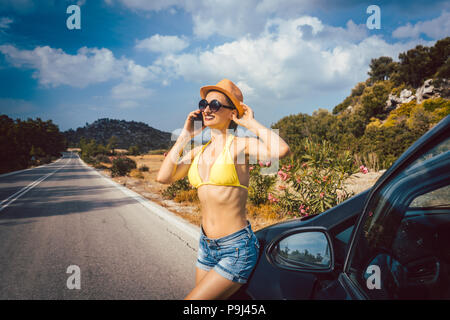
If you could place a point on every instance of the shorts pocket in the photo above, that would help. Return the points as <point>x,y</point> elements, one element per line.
<point>235,252</point>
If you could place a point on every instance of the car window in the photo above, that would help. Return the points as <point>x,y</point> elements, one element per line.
<point>344,236</point>
<point>340,245</point>
<point>433,152</point>
<point>401,251</point>
<point>436,198</point>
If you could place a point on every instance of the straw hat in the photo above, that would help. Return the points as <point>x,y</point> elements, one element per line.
<point>229,89</point>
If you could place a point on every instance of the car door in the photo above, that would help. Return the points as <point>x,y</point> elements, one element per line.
<point>297,258</point>
<point>400,249</point>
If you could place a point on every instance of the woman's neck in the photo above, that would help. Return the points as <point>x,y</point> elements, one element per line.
<point>218,135</point>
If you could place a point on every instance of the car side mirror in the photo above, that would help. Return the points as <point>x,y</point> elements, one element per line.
<point>303,249</point>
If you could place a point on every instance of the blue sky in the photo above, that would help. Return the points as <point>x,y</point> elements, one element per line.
<point>146,60</point>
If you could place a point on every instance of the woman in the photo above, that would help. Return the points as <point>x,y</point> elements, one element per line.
<point>228,248</point>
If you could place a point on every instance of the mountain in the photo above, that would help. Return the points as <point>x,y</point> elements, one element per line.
<point>128,133</point>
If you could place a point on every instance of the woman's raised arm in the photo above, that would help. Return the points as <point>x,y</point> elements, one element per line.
<point>172,169</point>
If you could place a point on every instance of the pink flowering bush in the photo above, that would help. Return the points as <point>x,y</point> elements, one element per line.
<point>363,169</point>
<point>259,185</point>
<point>314,183</point>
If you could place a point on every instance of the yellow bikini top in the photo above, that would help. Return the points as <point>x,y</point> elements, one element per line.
<point>222,173</point>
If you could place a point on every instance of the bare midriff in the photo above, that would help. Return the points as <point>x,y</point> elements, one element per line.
<point>223,209</point>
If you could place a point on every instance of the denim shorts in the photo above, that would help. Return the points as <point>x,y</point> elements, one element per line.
<point>233,256</point>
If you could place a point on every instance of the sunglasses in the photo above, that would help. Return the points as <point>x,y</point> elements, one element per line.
<point>214,105</point>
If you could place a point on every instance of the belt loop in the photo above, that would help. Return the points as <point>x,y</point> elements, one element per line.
<point>249,228</point>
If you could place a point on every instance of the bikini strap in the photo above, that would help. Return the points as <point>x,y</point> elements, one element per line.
<point>228,142</point>
<point>226,148</point>
<point>204,146</point>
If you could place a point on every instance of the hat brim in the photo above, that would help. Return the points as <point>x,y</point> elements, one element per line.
<point>236,102</point>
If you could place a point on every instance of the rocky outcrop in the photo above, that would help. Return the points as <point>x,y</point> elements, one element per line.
<point>393,101</point>
<point>433,89</point>
<point>430,89</point>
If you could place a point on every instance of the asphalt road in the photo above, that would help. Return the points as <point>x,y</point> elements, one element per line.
<point>75,217</point>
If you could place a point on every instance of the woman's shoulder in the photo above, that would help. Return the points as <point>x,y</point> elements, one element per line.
<point>241,144</point>
<point>244,140</point>
<point>189,155</point>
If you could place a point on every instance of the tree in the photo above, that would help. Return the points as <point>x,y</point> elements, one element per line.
<point>415,65</point>
<point>374,100</point>
<point>381,68</point>
<point>112,144</point>
<point>440,58</point>
<point>134,150</point>
<point>22,141</point>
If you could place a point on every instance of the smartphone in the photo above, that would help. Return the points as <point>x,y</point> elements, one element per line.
<point>199,117</point>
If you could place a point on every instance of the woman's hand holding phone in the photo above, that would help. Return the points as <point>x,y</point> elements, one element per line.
<point>191,126</point>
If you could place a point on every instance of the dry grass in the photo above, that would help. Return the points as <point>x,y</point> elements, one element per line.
<point>263,216</point>
<point>135,173</point>
<point>153,163</point>
<point>187,196</point>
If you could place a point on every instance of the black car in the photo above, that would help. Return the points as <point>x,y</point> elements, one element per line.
<point>389,242</point>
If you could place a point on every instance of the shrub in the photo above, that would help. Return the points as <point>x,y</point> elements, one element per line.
<point>397,90</point>
<point>134,150</point>
<point>98,165</point>
<point>122,166</point>
<point>370,160</point>
<point>143,168</point>
<point>175,188</point>
<point>374,98</point>
<point>316,184</point>
<point>259,185</point>
<point>102,158</point>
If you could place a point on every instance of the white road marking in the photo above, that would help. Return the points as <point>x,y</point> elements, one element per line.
<point>5,203</point>
<point>19,171</point>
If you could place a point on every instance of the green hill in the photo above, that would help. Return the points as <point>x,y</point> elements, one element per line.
<point>126,133</point>
<point>384,115</point>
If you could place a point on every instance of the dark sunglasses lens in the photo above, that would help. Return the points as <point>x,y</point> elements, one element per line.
<point>215,105</point>
<point>203,104</point>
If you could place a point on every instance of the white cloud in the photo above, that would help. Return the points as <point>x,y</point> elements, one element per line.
<point>291,59</point>
<point>231,18</point>
<point>125,91</point>
<point>54,67</point>
<point>163,44</point>
<point>436,28</point>
<point>5,22</point>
